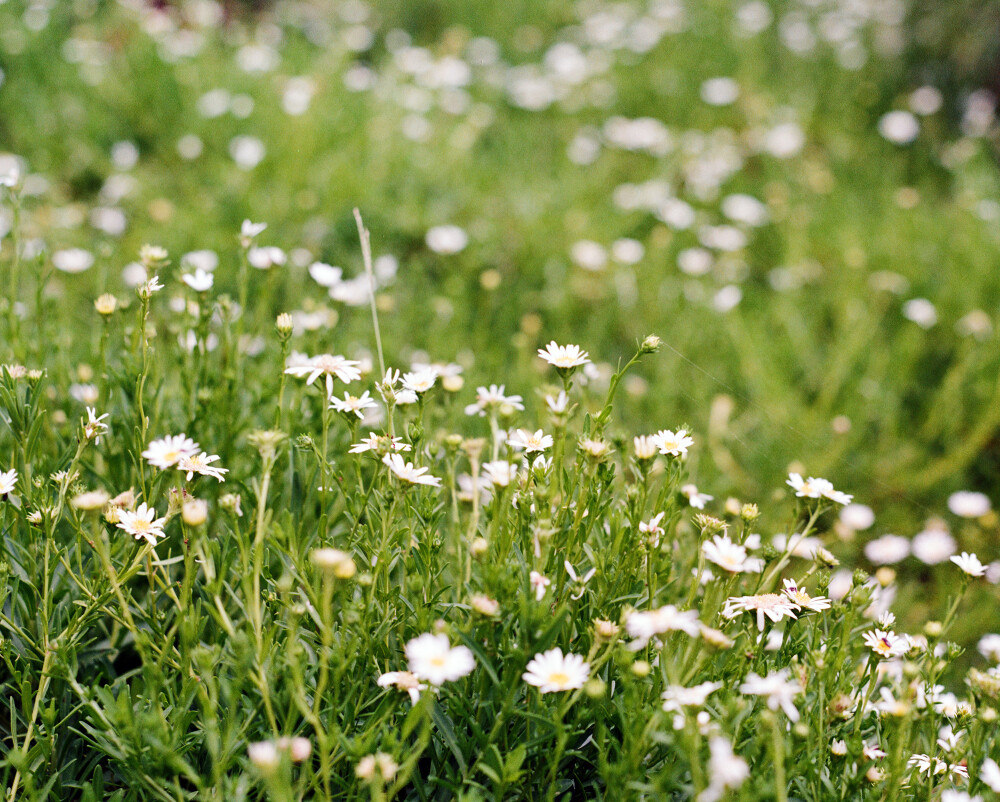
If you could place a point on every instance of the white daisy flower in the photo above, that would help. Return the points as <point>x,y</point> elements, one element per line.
<point>404,681</point>
<point>432,658</point>
<point>201,464</point>
<point>406,472</point>
<point>523,440</point>
<point>170,450</point>
<point>376,442</point>
<point>142,523</point>
<point>675,444</point>
<point>8,481</point>
<point>773,605</point>
<point>729,556</point>
<point>500,472</point>
<point>779,690</point>
<point>493,397</point>
<point>328,366</point>
<point>540,584</point>
<point>553,671</point>
<point>564,357</point>
<point>199,281</point>
<point>643,626</point>
<point>886,643</point>
<point>420,381</point>
<point>351,404</point>
<point>969,563</point>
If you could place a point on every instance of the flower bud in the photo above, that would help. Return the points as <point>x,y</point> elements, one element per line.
<point>106,304</point>
<point>194,512</point>
<point>335,562</point>
<point>651,344</point>
<point>283,325</point>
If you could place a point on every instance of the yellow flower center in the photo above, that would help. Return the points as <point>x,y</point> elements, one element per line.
<point>558,678</point>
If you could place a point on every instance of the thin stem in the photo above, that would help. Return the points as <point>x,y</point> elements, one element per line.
<point>366,255</point>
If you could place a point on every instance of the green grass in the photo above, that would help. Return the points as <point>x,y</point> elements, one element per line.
<point>158,689</point>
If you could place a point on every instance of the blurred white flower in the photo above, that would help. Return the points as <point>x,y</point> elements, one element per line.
<point>899,127</point>
<point>969,504</point>
<point>720,91</point>
<point>73,260</point>
<point>447,239</point>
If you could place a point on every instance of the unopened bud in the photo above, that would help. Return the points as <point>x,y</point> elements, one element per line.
<point>194,512</point>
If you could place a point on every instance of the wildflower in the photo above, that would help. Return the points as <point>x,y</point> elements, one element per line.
<point>264,258</point>
<point>727,555</point>
<point>420,381</point>
<point>934,545</point>
<point>653,529</point>
<point>106,304</point>
<point>379,444</point>
<point>557,404</point>
<point>779,690</point>
<point>199,281</point>
<point>170,450</point>
<point>645,447</point>
<point>727,770</point>
<point>803,599</point>
<point>484,605</point>
<point>838,748</point>
<point>928,765</point>
<point>887,550</point>
<point>202,465</point>
<point>264,756</point>
<point>595,449</point>
<point>92,500</point>
<point>969,563</point>
<point>95,426</point>
<point>581,581</point>
<point>194,512</point>
<point>675,444</point>
<point>406,472</point>
<point>8,480</point>
<point>446,239</point>
<point>564,357</point>
<point>329,366</point>
<point>773,605</point>
<point>231,502</point>
<point>539,583</point>
<point>552,671</point>
<point>433,658</point>
<point>643,626</point>
<point>989,647</point>
<point>404,681</point>
<point>338,563</point>
<point>379,764</point>
<point>500,472</point>
<point>816,488</point>
<point>989,773</point>
<point>696,499</point>
<point>150,286</point>
<point>676,697</point>
<point>886,644</point>
<point>491,398</point>
<point>872,751</point>
<point>524,440</point>
<point>969,504</point>
<point>142,523</point>
<point>248,231</point>
<point>72,260</point>
<point>352,404</point>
